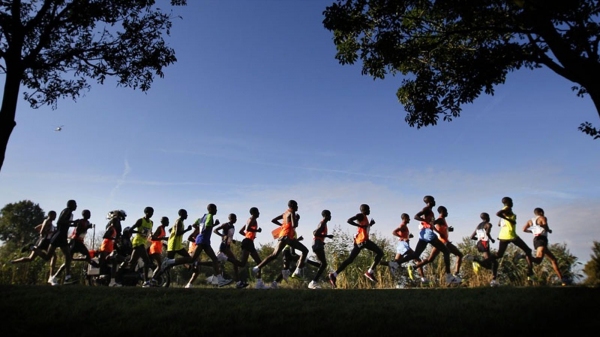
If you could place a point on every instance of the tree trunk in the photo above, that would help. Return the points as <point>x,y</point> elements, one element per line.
<point>8,110</point>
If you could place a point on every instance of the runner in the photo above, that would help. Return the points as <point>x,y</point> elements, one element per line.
<point>46,230</point>
<point>403,249</point>
<point>156,245</point>
<point>508,235</point>
<point>361,241</point>
<point>286,236</point>
<point>226,231</point>
<point>538,226</point>
<point>249,233</point>
<point>483,236</point>
<point>442,229</point>
<point>143,231</point>
<point>318,247</point>
<point>77,240</point>
<point>205,224</point>
<point>429,235</point>
<point>59,240</point>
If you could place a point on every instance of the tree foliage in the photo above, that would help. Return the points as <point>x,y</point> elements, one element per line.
<point>592,267</point>
<point>17,222</point>
<point>453,50</point>
<point>54,47</point>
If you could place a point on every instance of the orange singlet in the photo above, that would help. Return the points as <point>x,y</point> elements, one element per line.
<point>321,235</point>
<point>442,228</point>
<point>108,245</point>
<point>363,231</point>
<point>251,227</point>
<point>157,246</point>
<point>286,228</point>
<point>403,232</point>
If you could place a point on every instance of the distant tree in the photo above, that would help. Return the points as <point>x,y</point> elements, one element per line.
<point>52,47</point>
<point>17,222</point>
<point>592,267</point>
<point>456,49</point>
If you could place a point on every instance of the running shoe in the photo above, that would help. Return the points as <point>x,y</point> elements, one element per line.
<point>69,280</point>
<point>221,281</point>
<point>213,280</point>
<point>457,279</point>
<point>332,279</point>
<point>188,286</point>
<point>274,285</point>
<point>53,281</point>
<point>370,276</point>
<point>410,269</point>
<point>146,284</point>
<point>222,257</point>
<point>313,285</point>
<point>113,283</point>
<point>260,284</point>
<point>494,283</point>
<point>564,281</point>
<point>255,270</point>
<point>451,279</point>
<point>241,285</point>
<point>393,265</point>
<point>285,273</point>
<point>297,272</point>
<point>424,281</point>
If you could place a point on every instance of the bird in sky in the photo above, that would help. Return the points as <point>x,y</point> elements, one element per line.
<point>59,128</point>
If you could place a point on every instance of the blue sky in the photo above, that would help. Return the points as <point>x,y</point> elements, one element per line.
<point>257,111</point>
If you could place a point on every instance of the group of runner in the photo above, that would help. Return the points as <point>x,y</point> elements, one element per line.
<point>146,243</point>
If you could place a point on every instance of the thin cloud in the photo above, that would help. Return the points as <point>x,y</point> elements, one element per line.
<point>120,182</point>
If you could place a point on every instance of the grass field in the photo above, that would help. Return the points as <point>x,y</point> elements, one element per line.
<point>99,311</point>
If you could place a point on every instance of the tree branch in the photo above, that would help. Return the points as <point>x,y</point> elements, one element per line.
<point>39,16</point>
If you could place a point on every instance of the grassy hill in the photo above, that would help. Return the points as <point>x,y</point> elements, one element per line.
<point>99,311</point>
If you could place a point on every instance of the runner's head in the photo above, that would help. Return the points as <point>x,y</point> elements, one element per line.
<point>149,211</point>
<point>485,217</point>
<point>365,209</point>
<point>326,214</point>
<point>72,205</point>
<point>212,209</point>
<point>164,221</point>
